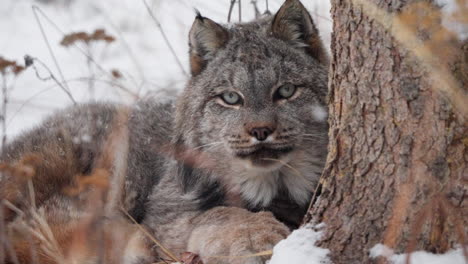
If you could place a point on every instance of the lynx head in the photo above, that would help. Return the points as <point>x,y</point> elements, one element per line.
<point>256,99</point>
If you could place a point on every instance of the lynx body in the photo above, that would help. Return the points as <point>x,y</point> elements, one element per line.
<point>228,169</point>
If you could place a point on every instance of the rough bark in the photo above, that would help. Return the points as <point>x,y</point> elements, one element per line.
<point>397,169</point>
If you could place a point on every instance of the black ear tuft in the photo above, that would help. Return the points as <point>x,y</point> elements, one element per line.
<point>205,38</point>
<point>293,23</point>
<point>198,15</point>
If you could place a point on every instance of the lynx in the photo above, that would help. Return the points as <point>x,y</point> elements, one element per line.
<point>226,170</point>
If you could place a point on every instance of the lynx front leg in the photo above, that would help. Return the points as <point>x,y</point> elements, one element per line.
<point>231,231</point>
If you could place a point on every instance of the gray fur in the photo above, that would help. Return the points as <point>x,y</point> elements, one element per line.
<point>189,160</point>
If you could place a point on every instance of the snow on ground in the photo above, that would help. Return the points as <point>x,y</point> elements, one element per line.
<point>139,53</point>
<point>454,256</point>
<point>299,248</point>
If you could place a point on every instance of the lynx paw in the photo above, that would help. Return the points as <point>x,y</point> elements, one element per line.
<point>230,235</point>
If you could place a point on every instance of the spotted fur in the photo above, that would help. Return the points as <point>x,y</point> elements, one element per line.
<point>200,173</point>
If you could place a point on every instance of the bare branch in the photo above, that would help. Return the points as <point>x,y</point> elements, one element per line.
<point>158,25</point>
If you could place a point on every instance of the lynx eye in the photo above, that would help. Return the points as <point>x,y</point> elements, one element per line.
<point>231,98</point>
<point>286,91</point>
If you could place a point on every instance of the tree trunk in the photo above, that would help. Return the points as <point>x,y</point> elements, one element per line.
<point>397,169</point>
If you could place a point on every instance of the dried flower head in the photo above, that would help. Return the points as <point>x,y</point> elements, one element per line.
<point>116,74</point>
<point>98,179</point>
<point>12,66</point>
<point>24,169</point>
<point>96,36</point>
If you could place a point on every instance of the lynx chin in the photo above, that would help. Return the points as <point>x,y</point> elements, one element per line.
<point>226,169</point>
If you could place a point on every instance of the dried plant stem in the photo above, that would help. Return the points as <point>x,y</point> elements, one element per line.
<point>2,235</point>
<point>51,52</point>
<point>89,63</point>
<point>117,146</point>
<point>11,250</point>
<point>257,12</point>
<point>166,40</point>
<point>164,249</point>
<point>240,11</point>
<point>259,254</point>
<point>13,208</point>
<point>32,194</point>
<point>231,7</point>
<point>57,28</point>
<point>3,115</point>
<point>51,77</point>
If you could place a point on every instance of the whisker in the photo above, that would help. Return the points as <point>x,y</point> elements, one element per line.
<point>286,165</point>
<point>209,144</point>
<point>314,135</point>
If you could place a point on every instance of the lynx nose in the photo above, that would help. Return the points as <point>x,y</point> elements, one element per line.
<point>260,133</point>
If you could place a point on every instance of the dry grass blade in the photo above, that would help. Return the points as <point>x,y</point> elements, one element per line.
<point>2,234</point>
<point>12,207</point>
<point>11,250</point>
<point>30,61</point>
<point>117,146</point>
<point>152,238</point>
<point>259,254</point>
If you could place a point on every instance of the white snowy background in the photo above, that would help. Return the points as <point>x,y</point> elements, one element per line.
<point>144,60</point>
<point>139,51</point>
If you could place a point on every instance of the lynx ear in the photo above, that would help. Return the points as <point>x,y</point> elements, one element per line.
<point>293,23</point>
<point>205,38</point>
